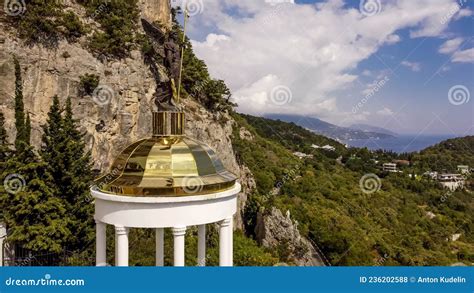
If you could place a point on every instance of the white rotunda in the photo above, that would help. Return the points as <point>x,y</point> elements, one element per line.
<point>166,181</point>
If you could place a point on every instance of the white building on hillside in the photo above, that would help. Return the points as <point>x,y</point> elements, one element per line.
<point>325,147</point>
<point>451,181</point>
<point>390,167</point>
<point>463,169</point>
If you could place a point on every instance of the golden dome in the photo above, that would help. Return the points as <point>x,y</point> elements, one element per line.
<point>166,165</point>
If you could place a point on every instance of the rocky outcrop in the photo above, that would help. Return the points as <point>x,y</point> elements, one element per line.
<point>156,11</point>
<point>275,231</point>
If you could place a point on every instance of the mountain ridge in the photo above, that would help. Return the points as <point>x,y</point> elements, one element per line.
<point>327,129</point>
<point>371,128</point>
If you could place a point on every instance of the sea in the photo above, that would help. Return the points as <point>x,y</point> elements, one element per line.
<point>401,143</point>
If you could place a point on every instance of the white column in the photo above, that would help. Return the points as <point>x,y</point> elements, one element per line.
<point>1,251</point>
<point>225,243</point>
<point>100,244</point>
<point>178,237</point>
<point>3,235</point>
<point>201,260</point>
<point>121,246</point>
<point>160,249</point>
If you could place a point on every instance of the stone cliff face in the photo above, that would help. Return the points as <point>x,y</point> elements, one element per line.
<point>276,231</point>
<point>122,116</point>
<point>156,11</point>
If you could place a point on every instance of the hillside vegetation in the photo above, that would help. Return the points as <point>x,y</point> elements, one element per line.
<point>390,226</point>
<point>448,154</point>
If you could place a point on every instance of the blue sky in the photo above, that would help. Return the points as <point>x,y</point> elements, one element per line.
<point>404,65</point>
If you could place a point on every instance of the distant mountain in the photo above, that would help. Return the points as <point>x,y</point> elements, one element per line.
<point>371,128</point>
<point>328,129</point>
<point>290,135</point>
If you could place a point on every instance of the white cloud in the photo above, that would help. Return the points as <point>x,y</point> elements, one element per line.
<point>414,66</point>
<point>311,49</point>
<point>385,112</point>
<point>463,13</point>
<point>366,73</point>
<point>393,39</point>
<point>450,46</point>
<point>459,56</point>
<point>466,56</point>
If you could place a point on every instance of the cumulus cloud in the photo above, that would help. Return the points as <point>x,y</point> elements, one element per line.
<point>458,56</point>
<point>414,66</point>
<point>385,112</point>
<point>312,49</point>
<point>393,39</point>
<point>450,46</point>
<point>466,56</point>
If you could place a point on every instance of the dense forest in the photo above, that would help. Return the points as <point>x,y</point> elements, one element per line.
<point>392,223</point>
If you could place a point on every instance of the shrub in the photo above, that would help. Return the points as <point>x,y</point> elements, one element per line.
<point>73,27</point>
<point>89,82</point>
<point>118,27</point>
<point>46,23</point>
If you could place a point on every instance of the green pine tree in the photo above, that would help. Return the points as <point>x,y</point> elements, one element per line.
<point>77,163</point>
<point>35,218</point>
<point>52,140</point>
<point>19,106</point>
<point>27,130</point>
<point>4,147</point>
<point>63,150</point>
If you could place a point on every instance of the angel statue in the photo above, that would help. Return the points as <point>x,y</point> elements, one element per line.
<point>165,45</point>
